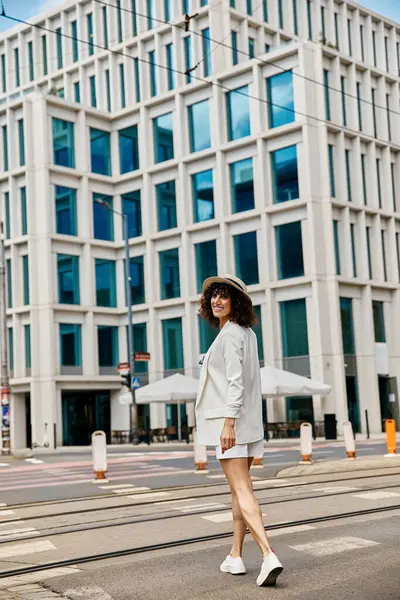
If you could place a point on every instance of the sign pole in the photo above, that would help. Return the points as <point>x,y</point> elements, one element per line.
<point>5,384</point>
<point>128,293</point>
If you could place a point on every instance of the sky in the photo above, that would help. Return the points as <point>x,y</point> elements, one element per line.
<point>24,9</point>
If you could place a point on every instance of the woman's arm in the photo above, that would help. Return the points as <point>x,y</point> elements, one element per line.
<point>232,348</point>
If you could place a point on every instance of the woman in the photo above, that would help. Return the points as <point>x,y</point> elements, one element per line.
<point>229,413</point>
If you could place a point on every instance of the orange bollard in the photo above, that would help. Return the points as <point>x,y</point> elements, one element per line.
<point>390,437</point>
<point>257,463</point>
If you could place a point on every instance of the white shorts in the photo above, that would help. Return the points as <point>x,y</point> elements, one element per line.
<point>255,450</point>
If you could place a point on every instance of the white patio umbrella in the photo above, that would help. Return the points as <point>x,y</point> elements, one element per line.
<point>171,390</point>
<point>276,382</point>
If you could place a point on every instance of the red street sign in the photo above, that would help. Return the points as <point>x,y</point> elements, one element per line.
<point>122,366</point>
<point>141,356</point>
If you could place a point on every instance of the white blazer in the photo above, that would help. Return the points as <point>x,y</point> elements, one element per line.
<point>230,386</point>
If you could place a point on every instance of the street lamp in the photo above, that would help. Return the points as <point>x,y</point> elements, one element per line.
<point>133,409</point>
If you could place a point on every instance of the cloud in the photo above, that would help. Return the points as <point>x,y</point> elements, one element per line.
<point>49,5</point>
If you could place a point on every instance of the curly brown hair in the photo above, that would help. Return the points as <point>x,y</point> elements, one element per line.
<point>242,311</point>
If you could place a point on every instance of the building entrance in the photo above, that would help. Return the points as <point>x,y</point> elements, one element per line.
<point>388,399</point>
<point>83,413</point>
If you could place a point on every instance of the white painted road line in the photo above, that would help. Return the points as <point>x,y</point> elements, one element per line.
<point>132,490</point>
<point>287,530</point>
<point>335,489</point>
<point>115,487</point>
<point>216,477</point>
<point>334,546</point>
<point>271,481</point>
<point>152,495</point>
<point>223,517</point>
<point>18,532</point>
<point>6,513</point>
<point>23,549</point>
<point>204,506</point>
<point>4,464</point>
<point>378,495</point>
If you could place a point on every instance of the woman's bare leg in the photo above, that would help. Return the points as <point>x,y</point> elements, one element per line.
<point>239,525</point>
<point>237,473</point>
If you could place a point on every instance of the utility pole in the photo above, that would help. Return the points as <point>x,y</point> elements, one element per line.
<point>128,293</point>
<point>5,383</point>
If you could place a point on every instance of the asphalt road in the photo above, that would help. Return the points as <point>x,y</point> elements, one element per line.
<point>325,554</point>
<point>58,476</point>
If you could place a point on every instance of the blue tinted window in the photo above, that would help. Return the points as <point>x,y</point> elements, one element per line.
<point>163,138</point>
<point>140,345</point>
<point>31,62</point>
<point>103,222</point>
<point>68,279</point>
<point>137,78</point>
<point>7,215</point>
<point>128,149</point>
<point>77,91</point>
<point>246,257</point>
<point>25,269</point>
<point>105,27</point>
<point>63,143</point>
<point>44,55</point>
<point>28,354</point>
<point>208,333</point>
<point>199,126</point>
<point>5,147</point>
<point>172,343</point>
<point>3,74</point>
<point>106,293</point>
<point>136,272</point>
<point>59,48</point>
<point>346,317</point>
<point>289,248</point>
<point>206,46</point>
<point>257,328</point>
<point>100,151</point>
<point>166,205</point>
<point>203,196</point>
<point>122,85</point>
<point>74,35</point>
<point>9,283</point>
<point>238,110</point>
<point>17,71</point>
<point>131,207</point>
<point>285,177</point>
<point>119,16</point>
<point>242,185</point>
<point>65,210</point>
<point>188,58</point>
<point>206,261</point>
<point>294,328</point>
<point>70,345</point>
<point>24,212</point>
<point>21,142</point>
<point>280,99</point>
<point>251,47</point>
<point>235,55</point>
<point>108,89</point>
<point>153,73</point>
<point>169,49</point>
<point>107,338</point>
<point>93,94</point>
<point>11,348</point>
<point>169,274</point>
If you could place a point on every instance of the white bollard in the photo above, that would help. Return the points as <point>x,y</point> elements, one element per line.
<point>349,441</point>
<point>306,442</point>
<point>200,456</point>
<point>99,454</point>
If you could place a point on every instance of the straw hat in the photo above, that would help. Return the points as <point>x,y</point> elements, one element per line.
<point>231,280</point>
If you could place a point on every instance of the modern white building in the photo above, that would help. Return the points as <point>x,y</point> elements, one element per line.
<point>264,142</point>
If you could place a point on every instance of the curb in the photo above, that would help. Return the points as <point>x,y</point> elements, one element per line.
<point>343,465</point>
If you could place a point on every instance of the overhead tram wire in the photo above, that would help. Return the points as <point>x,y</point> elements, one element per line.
<point>244,53</point>
<point>201,79</point>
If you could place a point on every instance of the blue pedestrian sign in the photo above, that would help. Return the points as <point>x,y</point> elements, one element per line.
<point>135,383</point>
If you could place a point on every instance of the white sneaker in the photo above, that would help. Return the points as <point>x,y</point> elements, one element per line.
<point>233,565</point>
<point>270,570</point>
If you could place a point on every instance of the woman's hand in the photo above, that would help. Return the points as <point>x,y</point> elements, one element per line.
<point>228,437</point>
